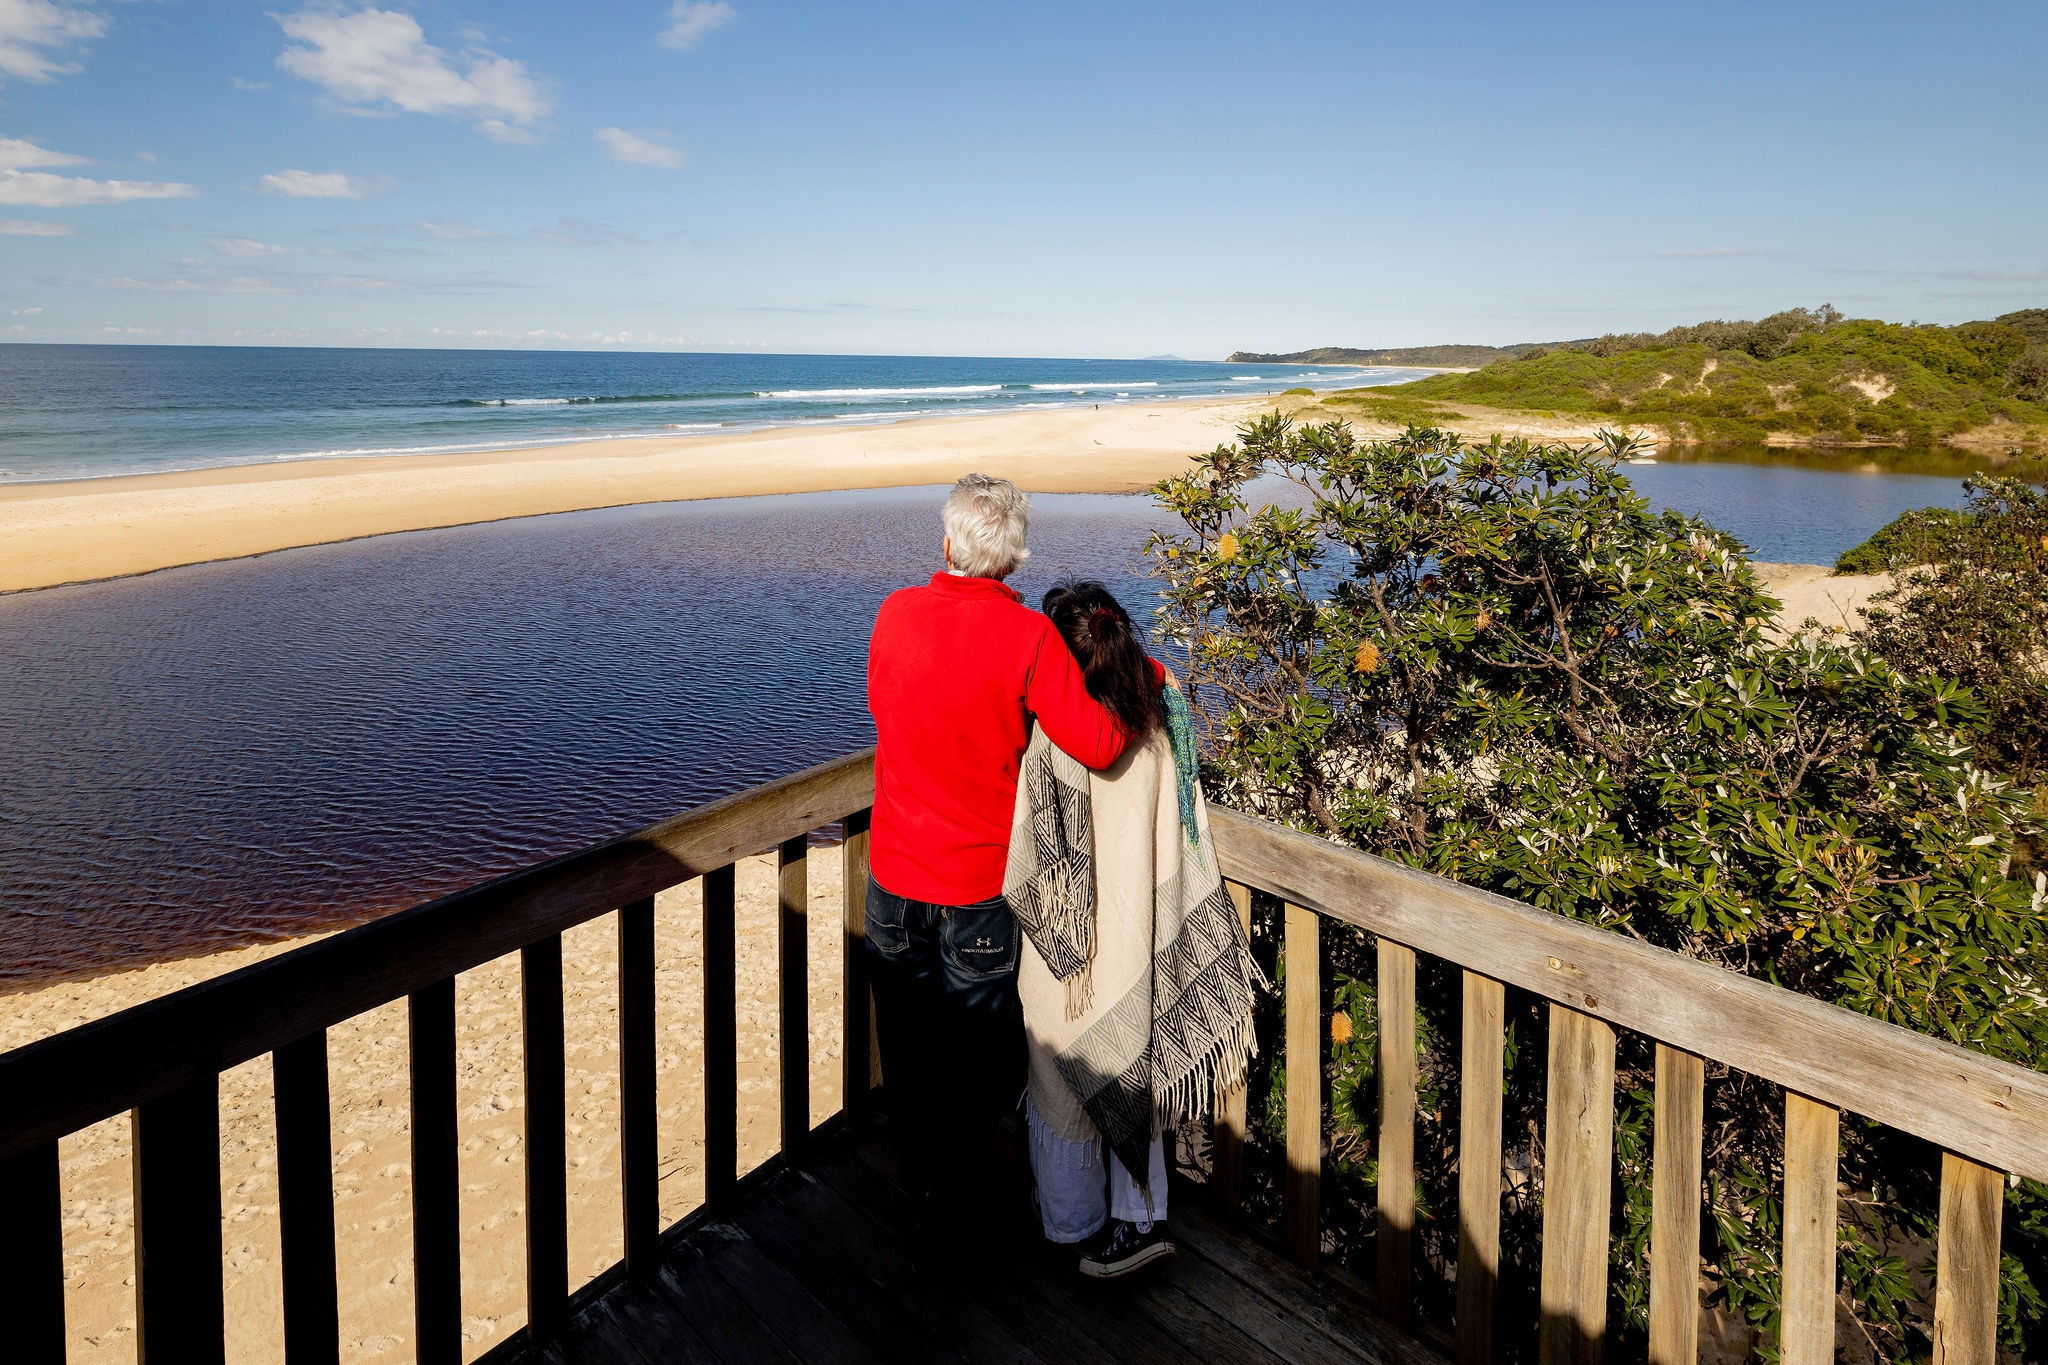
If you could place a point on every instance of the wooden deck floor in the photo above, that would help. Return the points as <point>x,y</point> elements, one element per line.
<point>817,1265</point>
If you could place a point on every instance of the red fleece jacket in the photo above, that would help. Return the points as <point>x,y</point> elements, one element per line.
<point>957,669</point>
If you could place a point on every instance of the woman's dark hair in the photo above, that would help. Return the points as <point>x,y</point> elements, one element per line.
<point>1112,657</point>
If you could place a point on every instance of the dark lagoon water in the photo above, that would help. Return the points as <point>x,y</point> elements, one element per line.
<point>233,751</point>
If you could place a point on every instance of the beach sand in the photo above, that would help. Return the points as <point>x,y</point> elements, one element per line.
<point>1811,592</point>
<point>104,528</point>
<point>367,1062</point>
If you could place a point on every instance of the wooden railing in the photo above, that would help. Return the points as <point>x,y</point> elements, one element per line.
<point>1988,1117</point>
<point>163,1061</point>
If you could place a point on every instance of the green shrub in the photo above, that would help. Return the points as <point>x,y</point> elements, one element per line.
<point>1977,612</point>
<point>1803,372</point>
<point>1497,663</point>
<point>1921,536</point>
<point>1304,393</point>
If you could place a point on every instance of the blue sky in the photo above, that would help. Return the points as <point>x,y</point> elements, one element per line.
<point>1051,179</point>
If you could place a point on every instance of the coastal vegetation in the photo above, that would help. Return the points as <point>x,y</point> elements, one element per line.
<point>1800,376</point>
<point>1496,662</point>
<point>1400,355</point>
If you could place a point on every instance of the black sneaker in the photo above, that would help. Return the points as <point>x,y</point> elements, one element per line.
<point>1120,1249</point>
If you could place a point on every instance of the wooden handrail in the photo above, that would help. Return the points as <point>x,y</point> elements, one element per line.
<point>67,1082</point>
<point>1969,1103</point>
<point>163,1059</point>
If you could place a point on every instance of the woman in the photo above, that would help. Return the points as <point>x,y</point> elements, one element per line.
<point>1135,978</point>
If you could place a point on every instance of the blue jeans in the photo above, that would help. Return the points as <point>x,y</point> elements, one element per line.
<point>950,1028</point>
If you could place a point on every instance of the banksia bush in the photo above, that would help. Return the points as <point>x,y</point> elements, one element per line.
<point>1496,662</point>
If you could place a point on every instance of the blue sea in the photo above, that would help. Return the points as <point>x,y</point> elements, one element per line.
<point>72,412</point>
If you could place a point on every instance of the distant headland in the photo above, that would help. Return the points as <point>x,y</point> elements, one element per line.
<point>1802,377</point>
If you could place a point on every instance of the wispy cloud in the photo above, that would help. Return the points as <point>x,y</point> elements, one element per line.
<point>20,154</point>
<point>453,231</point>
<point>250,246</point>
<point>323,184</point>
<point>582,232</point>
<point>28,227</point>
<point>379,61</point>
<point>244,83</point>
<point>41,189</point>
<point>202,277</point>
<point>635,150</point>
<point>1710,253</point>
<point>33,31</point>
<point>690,20</point>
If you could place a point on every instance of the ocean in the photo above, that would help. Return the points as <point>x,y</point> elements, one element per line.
<point>74,412</point>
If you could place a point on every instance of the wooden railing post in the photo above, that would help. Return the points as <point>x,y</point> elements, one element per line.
<point>180,1317</point>
<point>1807,1298</point>
<point>1675,1207</point>
<point>547,1195</point>
<point>721,1040</point>
<point>1578,1170</point>
<point>32,1256</point>
<point>436,1211</point>
<point>639,1131</point>
<point>1396,991</point>
<point>1479,1160</point>
<point>1226,1169</point>
<point>1966,1263</point>
<point>305,1201</point>
<point>1302,1204</point>
<point>793,951</point>
<point>857,1062</point>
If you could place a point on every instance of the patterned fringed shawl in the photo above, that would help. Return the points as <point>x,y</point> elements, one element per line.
<point>1137,981</point>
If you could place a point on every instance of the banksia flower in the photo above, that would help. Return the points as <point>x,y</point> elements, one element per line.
<point>1340,1028</point>
<point>1483,620</point>
<point>1226,547</point>
<point>1368,657</point>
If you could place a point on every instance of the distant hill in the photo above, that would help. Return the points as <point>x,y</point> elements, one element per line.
<point>1453,356</point>
<point>1809,375</point>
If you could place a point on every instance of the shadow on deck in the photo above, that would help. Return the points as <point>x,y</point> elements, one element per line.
<point>818,1264</point>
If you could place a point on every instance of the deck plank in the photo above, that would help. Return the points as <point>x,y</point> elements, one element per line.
<point>886,1300</point>
<point>825,1264</point>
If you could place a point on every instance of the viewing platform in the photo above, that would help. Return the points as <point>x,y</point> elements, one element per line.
<point>812,1257</point>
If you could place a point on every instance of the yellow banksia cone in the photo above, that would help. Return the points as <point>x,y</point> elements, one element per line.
<point>1483,620</point>
<point>1368,657</point>
<point>1226,548</point>
<point>1340,1028</point>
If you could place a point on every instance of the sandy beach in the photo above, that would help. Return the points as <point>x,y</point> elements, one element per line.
<point>54,533</point>
<point>372,1171</point>
<point>104,528</point>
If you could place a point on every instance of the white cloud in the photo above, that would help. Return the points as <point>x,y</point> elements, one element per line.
<point>380,60</point>
<point>248,246</point>
<point>453,232</point>
<point>44,190</point>
<point>690,20</point>
<point>322,184</point>
<point>26,312</point>
<point>28,26</point>
<point>243,83</point>
<point>27,227</point>
<point>1711,253</point>
<point>638,151</point>
<point>19,154</point>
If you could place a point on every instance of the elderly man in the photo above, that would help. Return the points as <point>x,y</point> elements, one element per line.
<point>957,670</point>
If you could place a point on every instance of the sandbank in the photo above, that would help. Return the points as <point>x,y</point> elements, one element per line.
<point>54,533</point>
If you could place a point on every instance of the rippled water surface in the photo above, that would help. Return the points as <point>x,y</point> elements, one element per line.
<point>233,751</point>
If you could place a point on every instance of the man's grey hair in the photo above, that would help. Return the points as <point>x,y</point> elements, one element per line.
<point>987,519</point>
